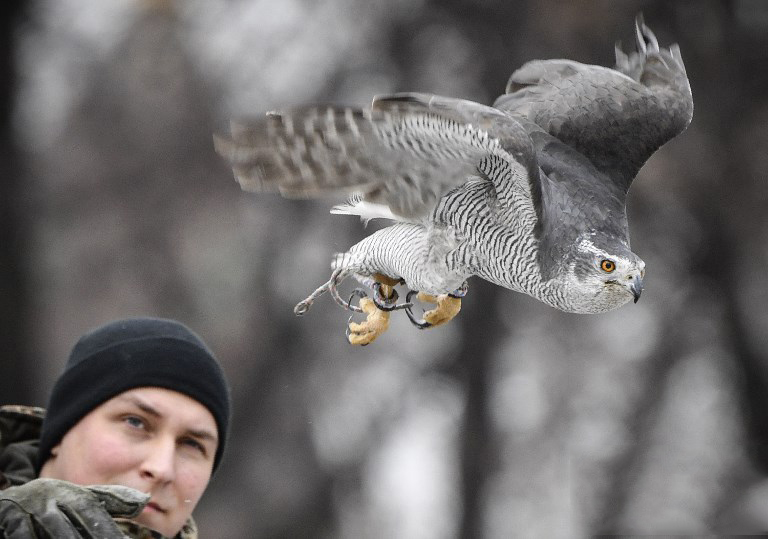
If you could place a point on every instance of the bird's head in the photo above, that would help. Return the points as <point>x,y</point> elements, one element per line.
<point>603,275</point>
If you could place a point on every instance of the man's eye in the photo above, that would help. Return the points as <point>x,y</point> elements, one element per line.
<point>134,421</point>
<point>194,444</point>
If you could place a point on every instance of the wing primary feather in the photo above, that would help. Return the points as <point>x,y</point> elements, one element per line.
<point>404,152</point>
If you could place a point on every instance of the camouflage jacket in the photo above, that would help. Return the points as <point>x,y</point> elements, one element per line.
<point>19,436</point>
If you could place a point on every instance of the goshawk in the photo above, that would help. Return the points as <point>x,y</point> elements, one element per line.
<point>528,193</point>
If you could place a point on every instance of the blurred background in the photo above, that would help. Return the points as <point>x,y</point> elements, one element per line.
<point>515,420</point>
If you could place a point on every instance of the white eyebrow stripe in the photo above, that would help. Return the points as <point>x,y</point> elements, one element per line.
<point>587,245</point>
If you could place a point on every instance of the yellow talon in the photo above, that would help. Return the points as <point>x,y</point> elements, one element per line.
<point>447,308</point>
<point>367,331</point>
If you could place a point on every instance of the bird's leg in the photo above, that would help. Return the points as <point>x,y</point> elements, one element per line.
<point>377,308</point>
<point>385,296</point>
<point>448,306</point>
<point>377,311</point>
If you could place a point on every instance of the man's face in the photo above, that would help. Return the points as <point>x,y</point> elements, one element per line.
<point>152,439</point>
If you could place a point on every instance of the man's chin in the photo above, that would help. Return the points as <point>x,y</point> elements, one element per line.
<point>137,527</point>
<point>156,520</point>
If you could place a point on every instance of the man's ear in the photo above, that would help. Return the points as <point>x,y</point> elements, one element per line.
<point>47,468</point>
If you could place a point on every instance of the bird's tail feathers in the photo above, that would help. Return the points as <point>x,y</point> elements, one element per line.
<point>304,152</point>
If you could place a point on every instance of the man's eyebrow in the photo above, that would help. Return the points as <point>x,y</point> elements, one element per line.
<point>203,434</point>
<point>141,405</point>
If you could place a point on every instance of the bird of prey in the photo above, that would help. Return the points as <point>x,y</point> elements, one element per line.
<point>528,194</point>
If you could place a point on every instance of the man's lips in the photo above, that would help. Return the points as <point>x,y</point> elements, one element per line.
<point>153,506</point>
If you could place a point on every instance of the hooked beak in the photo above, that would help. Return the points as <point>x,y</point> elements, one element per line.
<point>636,287</point>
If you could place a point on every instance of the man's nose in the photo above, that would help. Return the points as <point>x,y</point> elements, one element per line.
<point>160,463</point>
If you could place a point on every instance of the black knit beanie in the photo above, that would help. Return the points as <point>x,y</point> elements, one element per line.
<point>126,354</point>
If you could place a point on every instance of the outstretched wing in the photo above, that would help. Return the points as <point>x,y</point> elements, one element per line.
<point>615,117</point>
<point>399,156</point>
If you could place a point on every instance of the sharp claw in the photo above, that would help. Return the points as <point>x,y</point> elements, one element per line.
<point>360,293</point>
<point>421,324</point>
<point>447,306</point>
<point>348,331</point>
<point>369,329</point>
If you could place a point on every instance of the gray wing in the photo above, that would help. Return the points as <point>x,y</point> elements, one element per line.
<point>404,152</point>
<point>615,117</point>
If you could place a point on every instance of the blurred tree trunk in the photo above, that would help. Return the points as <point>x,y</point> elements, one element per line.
<point>480,329</point>
<point>14,313</point>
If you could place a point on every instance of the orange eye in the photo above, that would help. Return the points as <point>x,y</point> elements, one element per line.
<point>608,266</point>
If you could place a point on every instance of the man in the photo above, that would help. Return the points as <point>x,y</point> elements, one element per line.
<point>142,403</point>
